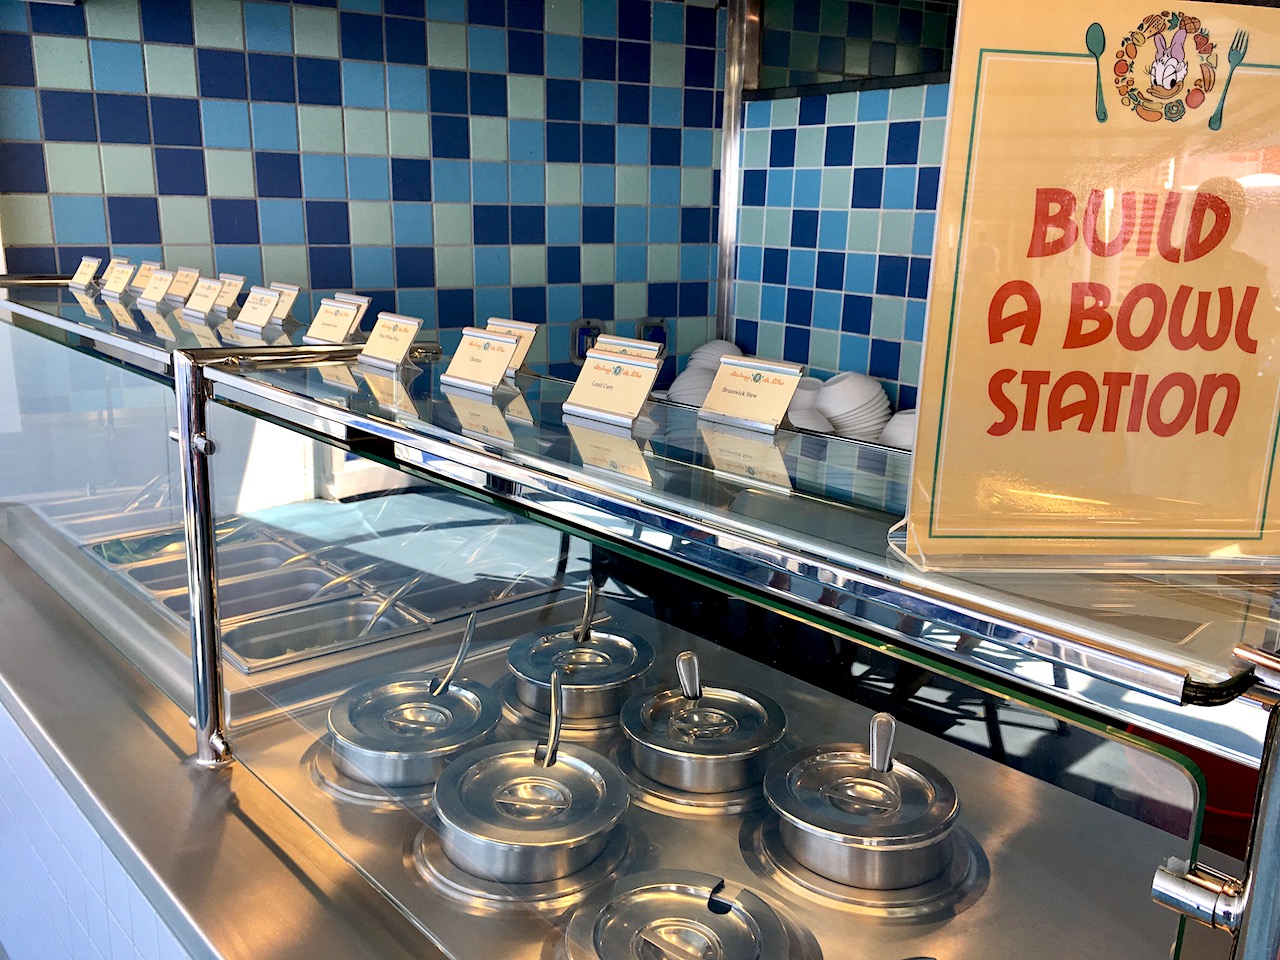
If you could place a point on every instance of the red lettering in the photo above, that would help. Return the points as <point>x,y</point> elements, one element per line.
<point>1055,208</point>
<point>1155,410</point>
<point>1199,335</point>
<point>1089,228</point>
<point>1124,319</point>
<point>1114,381</point>
<point>1077,336</point>
<point>1243,340</point>
<point>1086,408</point>
<point>1198,243</point>
<point>1034,381</point>
<point>1135,403</point>
<point>1146,225</point>
<point>1008,409</point>
<point>1164,239</point>
<point>1209,387</point>
<point>1000,324</point>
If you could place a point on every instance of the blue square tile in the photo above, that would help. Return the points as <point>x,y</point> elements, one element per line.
<point>406,41</point>
<point>491,12</point>
<point>813,110</point>
<point>361,36</point>
<point>79,220</point>
<point>450,137</point>
<point>632,224</point>
<point>632,103</point>
<point>529,304</point>
<point>406,88</point>
<point>631,264</point>
<point>487,49</point>
<point>167,21</point>
<point>528,224</point>
<point>633,62</point>
<point>927,189</point>
<point>918,278</point>
<point>854,352</point>
<point>564,100</point>
<point>753,188</point>
<point>373,267</point>
<point>319,81</point>
<point>455,308</point>
<point>526,14</point>
<point>123,118</point>
<point>598,143</point>
<point>600,20</point>
<point>449,11</point>
<point>117,66</point>
<point>830,274</point>
<point>526,141</point>
<point>935,100</point>
<point>525,53</point>
<point>664,147</point>
<point>891,276</point>
<point>700,26</point>
<point>695,225</point>
<point>668,22</point>
<point>795,340</point>
<point>860,273</point>
<point>31,259</point>
<point>564,142</point>
<point>410,179</point>
<point>922,234</point>
<point>324,176</point>
<point>597,224</point>
<point>133,219</point>
<point>281,221</point>
<point>564,225</point>
<point>599,101</point>
<point>598,184</point>
<point>868,187</point>
<point>633,19</point>
<point>856,316</point>
<point>759,114</point>
<point>699,68</point>
<point>697,148</point>
<point>833,229</point>
<point>405,8</point>
<point>452,181</point>
<point>873,105</point>
<point>493,266</point>
<point>68,115</point>
<point>699,108</point>
<point>412,223</point>
<point>904,142</point>
<point>226,123</point>
<point>448,91</point>
<point>599,59</point>
<point>364,85</point>
<point>279,174</point>
<point>17,65</point>
<point>664,299</point>
<point>64,21</point>
<point>633,146</point>
<point>664,224</point>
<point>913,329</point>
<point>751,263</point>
<point>899,188</point>
<point>664,186</point>
<point>886,356</point>
<point>489,94</point>
<point>19,116</point>
<point>746,336</point>
<point>222,74</point>
<point>564,56</point>
<point>180,171</point>
<point>268,27</point>
<point>695,262</point>
<point>234,221</point>
<point>275,126</point>
<point>564,265</point>
<point>271,78</point>
<point>808,188</point>
<point>839,146</point>
<point>774,269</point>
<point>666,106</point>
<point>779,188</point>
<point>243,261</point>
<point>827,309</point>
<point>330,268</point>
<point>597,301</point>
<point>802,266</point>
<point>175,121</point>
<point>22,168</point>
<point>492,302</point>
<point>368,178</point>
<point>782,148</point>
<point>69,257</point>
<point>489,182</point>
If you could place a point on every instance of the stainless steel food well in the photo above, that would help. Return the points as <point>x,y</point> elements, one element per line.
<point>702,739</point>
<point>238,560</point>
<point>255,595</point>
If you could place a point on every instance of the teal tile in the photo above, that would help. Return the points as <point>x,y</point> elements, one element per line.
<point>824,349</point>
<point>909,366</point>
<point>127,169</point>
<point>26,219</point>
<point>229,173</point>
<point>564,183</point>
<point>62,62</point>
<point>564,16</point>
<point>114,19</point>
<point>895,231</point>
<point>755,148</point>
<point>220,24</point>
<point>666,65</point>
<point>447,45</point>
<point>455,266</point>
<point>746,302</point>
<point>370,222</point>
<point>185,220</point>
<point>871,144</point>
<point>366,131</point>
<point>906,103</point>
<point>452,223</point>
<point>751,226</point>
<point>528,265</point>
<point>693,332</point>
<point>888,317</point>
<point>488,138</point>
<point>864,230</point>
<point>697,187</point>
<point>631,185</point>
<point>194,256</point>
<point>526,98</point>
<point>933,135</point>
<point>319,129</point>
<point>664,262</point>
<point>631,300</point>
<point>598,262</point>
<point>171,70</point>
<point>811,144</point>
<point>409,134</point>
<point>315,32</point>
<point>777,227</point>
<point>769,340</point>
<point>837,188</point>
<point>842,108</point>
<point>786,113</point>
<point>73,168</point>
<point>287,263</point>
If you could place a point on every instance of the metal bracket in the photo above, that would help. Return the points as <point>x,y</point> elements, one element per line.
<point>1201,893</point>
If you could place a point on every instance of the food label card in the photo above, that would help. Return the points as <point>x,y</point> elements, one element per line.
<point>390,393</point>
<point>122,314</point>
<point>156,321</point>
<point>628,346</point>
<point>288,294</point>
<point>143,276</point>
<point>362,304</point>
<point>334,322</point>
<point>196,326</point>
<point>232,284</point>
<point>756,459</point>
<point>87,305</point>
<point>258,308</point>
<point>752,393</point>
<point>204,297</point>
<point>390,340</point>
<point>338,375</point>
<point>526,332</point>
<point>184,281</point>
<point>482,359</point>
<point>85,273</point>
<point>157,286</point>
<point>116,278</point>
<point>612,387</point>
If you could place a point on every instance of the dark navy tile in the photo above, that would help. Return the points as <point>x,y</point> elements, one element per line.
<point>448,89</point>
<point>831,53</point>
<point>693,298</point>
<point>17,66</point>
<point>663,299</point>
<point>839,148</point>
<point>795,340</point>
<point>886,357</point>
<point>222,74</point>
<point>699,68</point>
<point>907,396</point>
<point>167,21</point>
<point>918,278</point>
<point>529,304</point>
<point>31,260</point>
<point>700,26</point>
<point>328,222</point>
<point>69,257</point>
<point>830,270</point>
<point>361,36</point>
<point>415,267</point>
<point>564,142</point>
<point>330,268</point>
<point>133,220</point>
<point>22,168</point>
<point>491,224</point>
<point>799,310</point>
<point>782,148</point>
<point>175,121</point>
<point>860,20</point>
<point>406,41</point>
<point>904,142</point>
<point>564,100</point>
<point>927,188</point>
<point>633,103</point>
<point>634,19</point>
<point>68,115</point>
<point>234,221</point>
<point>664,147</point>
<point>598,143</point>
<point>525,53</point>
<point>597,301</point>
<point>528,224</point>
<point>123,118</point>
<point>599,59</point>
<point>695,224</point>
<point>856,315</point>
<point>774,269</point>
<point>564,264</point>
<point>597,224</point>
<point>804,228</point>
<point>491,13</point>
<point>868,185</point>
<point>271,78</point>
<point>910,26</point>
<point>891,275</point>
<point>410,179</point>
<point>455,309</point>
<point>806,17</point>
<point>450,137</point>
<point>753,188</point>
<point>489,94</point>
<point>180,171</point>
<point>319,81</point>
<point>775,48</point>
<point>404,8</point>
<point>746,334</point>
<point>526,14</point>
<point>813,110</point>
<point>633,62</point>
<point>884,55</point>
<point>699,108</point>
<point>65,21</point>
<point>279,174</point>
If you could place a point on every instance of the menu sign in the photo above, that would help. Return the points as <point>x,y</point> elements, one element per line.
<point>333,323</point>
<point>258,308</point>
<point>390,340</point>
<point>1102,365</point>
<point>753,393</point>
<point>481,360</point>
<point>231,286</point>
<point>612,387</point>
<point>85,273</point>
<point>526,332</point>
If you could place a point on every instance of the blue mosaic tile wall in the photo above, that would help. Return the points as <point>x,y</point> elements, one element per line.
<point>835,230</point>
<point>454,159</point>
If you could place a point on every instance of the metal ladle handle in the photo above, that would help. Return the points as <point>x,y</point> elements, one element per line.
<point>883,730</point>
<point>441,684</point>
<point>583,632</point>
<point>690,675</point>
<point>545,753</point>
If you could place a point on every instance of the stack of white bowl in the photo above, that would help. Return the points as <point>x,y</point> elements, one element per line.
<point>693,385</point>
<point>802,412</point>
<point>855,404</point>
<point>900,431</point>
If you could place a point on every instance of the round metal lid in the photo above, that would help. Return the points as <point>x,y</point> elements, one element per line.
<point>675,915</point>
<point>721,723</point>
<point>500,793</point>
<point>399,716</point>
<point>601,660</point>
<point>831,789</point>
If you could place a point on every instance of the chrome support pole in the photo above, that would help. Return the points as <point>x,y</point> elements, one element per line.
<point>735,56</point>
<point>1259,922</point>
<point>213,748</point>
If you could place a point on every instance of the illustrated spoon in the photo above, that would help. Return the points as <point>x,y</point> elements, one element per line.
<point>1096,40</point>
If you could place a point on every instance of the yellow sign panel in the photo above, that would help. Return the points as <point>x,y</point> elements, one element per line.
<point>1102,362</point>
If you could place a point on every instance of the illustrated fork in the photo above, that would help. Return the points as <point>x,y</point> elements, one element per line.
<point>1239,45</point>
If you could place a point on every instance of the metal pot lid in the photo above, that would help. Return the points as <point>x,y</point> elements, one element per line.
<point>832,789</point>
<point>675,915</point>
<point>721,723</point>
<point>600,660</point>
<point>400,716</point>
<point>500,793</point>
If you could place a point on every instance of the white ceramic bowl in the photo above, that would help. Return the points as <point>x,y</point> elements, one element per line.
<point>900,431</point>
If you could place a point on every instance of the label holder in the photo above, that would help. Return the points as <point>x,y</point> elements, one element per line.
<point>612,387</point>
<point>481,360</point>
<point>774,383</point>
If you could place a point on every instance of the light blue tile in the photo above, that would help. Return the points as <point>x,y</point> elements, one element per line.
<point>117,66</point>
<point>864,230</point>
<point>633,145</point>
<point>492,302</point>
<point>811,145</point>
<point>364,84</point>
<point>275,126</point>
<point>18,117</point>
<point>452,181</point>
<point>226,123</point>
<point>695,262</point>
<point>664,225</point>
<point>323,176</point>
<point>860,273</point>
<point>773,306</point>
<point>786,113</point>
<point>564,225</point>
<point>418,303</point>
<point>527,140</point>
<point>80,220</point>
<point>631,263</point>
<point>802,266</point>
<point>281,221</point>
<point>451,11</point>
<point>755,149</point>
<point>13,16</point>
<point>873,105</point>
<point>493,266</point>
<point>842,107</point>
<point>668,22</point>
<point>906,103</point>
<point>666,106</point>
<point>697,148</point>
<point>599,19</point>
<point>598,183</point>
<point>564,56</point>
<point>136,253</point>
<point>899,188</point>
<point>896,227</point>
<point>888,317</point>
<point>373,268</point>
<point>833,229</point>
<point>870,144</point>
<point>528,183</point>
<point>631,225</point>
<point>778,188</point>
<point>808,189</point>
<point>827,309</point>
<point>406,87</point>
<point>664,185</point>
<point>486,49</point>
<point>268,26</point>
<point>746,300</point>
<point>935,100</point>
<point>855,352</point>
<point>909,364</point>
<point>922,233</point>
<point>759,114</point>
<point>489,183</point>
<point>913,328</point>
<point>599,101</point>
<point>369,178</point>
<point>932,136</point>
<point>412,223</point>
<point>751,225</point>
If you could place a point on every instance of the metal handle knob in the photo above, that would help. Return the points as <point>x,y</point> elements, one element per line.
<point>588,612</point>
<point>883,730</point>
<point>690,675</point>
<point>441,684</point>
<point>545,753</point>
